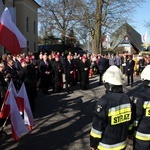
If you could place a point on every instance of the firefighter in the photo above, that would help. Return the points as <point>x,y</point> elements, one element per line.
<point>112,114</point>
<point>141,100</point>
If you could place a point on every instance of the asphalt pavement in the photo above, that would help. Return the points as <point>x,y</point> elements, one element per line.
<point>62,121</point>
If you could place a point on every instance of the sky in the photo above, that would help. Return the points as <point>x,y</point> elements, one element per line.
<point>140,16</point>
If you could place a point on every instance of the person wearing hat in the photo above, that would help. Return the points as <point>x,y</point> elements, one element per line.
<point>27,76</point>
<point>141,100</point>
<point>84,68</point>
<point>112,114</point>
<point>57,74</point>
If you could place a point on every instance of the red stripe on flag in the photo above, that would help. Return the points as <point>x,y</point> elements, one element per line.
<point>20,103</point>
<point>14,134</point>
<point>5,110</point>
<point>9,40</point>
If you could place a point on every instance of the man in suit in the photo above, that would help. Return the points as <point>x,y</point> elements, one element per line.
<point>130,70</point>
<point>46,72</point>
<point>11,73</point>
<point>103,64</point>
<point>69,68</point>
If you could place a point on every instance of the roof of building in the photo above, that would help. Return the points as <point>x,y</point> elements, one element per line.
<point>36,3</point>
<point>122,32</point>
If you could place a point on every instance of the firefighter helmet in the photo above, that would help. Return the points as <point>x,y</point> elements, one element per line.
<point>113,75</point>
<point>145,75</point>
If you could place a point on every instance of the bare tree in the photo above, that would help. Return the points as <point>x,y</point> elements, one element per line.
<point>83,16</point>
<point>106,15</point>
<point>60,16</point>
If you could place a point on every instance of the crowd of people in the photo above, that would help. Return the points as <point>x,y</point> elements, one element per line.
<point>46,71</point>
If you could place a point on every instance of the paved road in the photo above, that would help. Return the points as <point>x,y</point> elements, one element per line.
<point>62,121</point>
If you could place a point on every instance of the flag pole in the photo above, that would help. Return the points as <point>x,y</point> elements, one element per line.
<point>3,134</point>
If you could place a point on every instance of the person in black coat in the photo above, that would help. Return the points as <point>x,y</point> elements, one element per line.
<point>103,65</point>
<point>3,84</point>
<point>68,69</point>
<point>27,76</point>
<point>84,68</point>
<point>57,74</point>
<point>46,73</point>
<point>130,70</point>
<point>12,73</point>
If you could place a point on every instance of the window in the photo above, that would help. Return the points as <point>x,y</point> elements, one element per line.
<point>27,46</point>
<point>34,27</point>
<point>27,24</point>
<point>34,46</point>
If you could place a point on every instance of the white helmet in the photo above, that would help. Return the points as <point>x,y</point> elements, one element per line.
<point>113,75</point>
<point>145,75</point>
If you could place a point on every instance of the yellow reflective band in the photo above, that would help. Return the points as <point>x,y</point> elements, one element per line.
<point>120,118</point>
<point>130,126</point>
<point>146,104</point>
<point>119,111</point>
<point>147,112</point>
<point>142,136</point>
<point>95,135</point>
<point>112,147</point>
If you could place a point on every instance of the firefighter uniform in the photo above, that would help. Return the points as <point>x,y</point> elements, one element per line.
<point>142,119</point>
<point>111,118</point>
<point>141,100</point>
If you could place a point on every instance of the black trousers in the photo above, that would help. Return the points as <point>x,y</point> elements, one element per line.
<point>141,145</point>
<point>130,78</point>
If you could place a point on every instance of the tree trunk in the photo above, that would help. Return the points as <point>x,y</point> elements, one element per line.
<point>96,34</point>
<point>63,36</point>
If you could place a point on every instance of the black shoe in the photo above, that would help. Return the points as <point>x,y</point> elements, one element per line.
<point>131,85</point>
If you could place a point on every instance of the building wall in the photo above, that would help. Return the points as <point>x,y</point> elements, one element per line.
<point>26,9</point>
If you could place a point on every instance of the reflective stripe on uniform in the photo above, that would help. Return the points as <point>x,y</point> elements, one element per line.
<point>117,146</point>
<point>142,136</point>
<point>130,126</point>
<point>95,133</point>
<point>119,109</point>
<point>135,123</point>
<point>146,104</point>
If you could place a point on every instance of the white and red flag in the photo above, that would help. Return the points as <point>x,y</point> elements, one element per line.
<point>144,37</point>
<point>17,122</point>
<point>28,116</point>
<point>10,36</point>
<point>6,109</point>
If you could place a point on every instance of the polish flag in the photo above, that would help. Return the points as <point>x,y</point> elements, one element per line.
<point>10,36</point>
<point>5,108</point>
<point>20,103</point>
<point>17,122</point>
<point>12,88</point>
<point>28,116</point>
